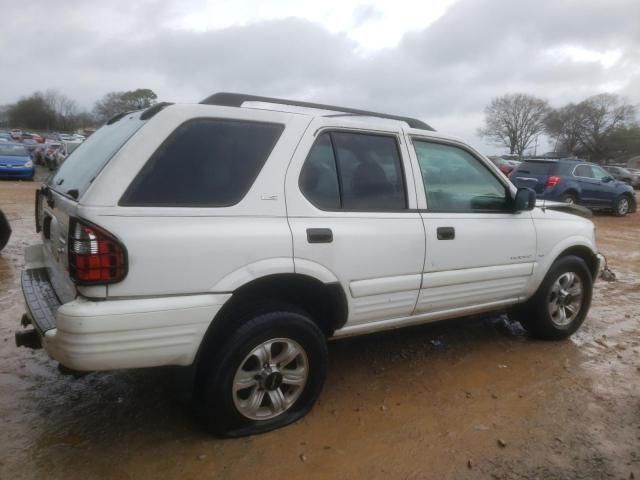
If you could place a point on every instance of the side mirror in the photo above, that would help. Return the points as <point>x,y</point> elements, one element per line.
<point>607,179</point>
<point>525,200</point>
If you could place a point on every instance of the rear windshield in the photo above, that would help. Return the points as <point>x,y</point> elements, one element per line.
<point>87,160</point>
<point>536,168</point>
<point>10,150</point>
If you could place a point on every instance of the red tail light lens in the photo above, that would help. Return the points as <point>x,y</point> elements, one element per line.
<point>95,256</point>
<point>552,181</point>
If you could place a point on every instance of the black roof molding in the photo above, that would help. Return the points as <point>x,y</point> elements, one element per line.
<point>227,99</point>
<point>153,109</point>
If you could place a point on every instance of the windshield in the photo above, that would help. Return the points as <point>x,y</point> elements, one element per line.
<point>8,150</point>
<point>87,161</point>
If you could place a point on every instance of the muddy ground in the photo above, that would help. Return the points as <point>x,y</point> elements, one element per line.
<point>464,399</point>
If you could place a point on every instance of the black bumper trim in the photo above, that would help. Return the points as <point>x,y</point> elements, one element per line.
<point>42,301</point>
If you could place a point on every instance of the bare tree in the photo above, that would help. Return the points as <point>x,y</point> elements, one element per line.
<point>515,121</point>
<point>600,116</point>
<point>565,126</point>
<point>66,109</point>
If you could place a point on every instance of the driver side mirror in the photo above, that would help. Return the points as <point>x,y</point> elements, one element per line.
<point>607,179</point>
<point>525,200</point>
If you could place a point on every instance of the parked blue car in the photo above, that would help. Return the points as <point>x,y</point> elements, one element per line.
<point>15,162</point>
<point>575,181</point>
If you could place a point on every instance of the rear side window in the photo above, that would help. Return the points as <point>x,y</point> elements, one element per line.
<point>319,178</point>
<point>204,163</point>
<point>536,168</point>
<point>354,171</point>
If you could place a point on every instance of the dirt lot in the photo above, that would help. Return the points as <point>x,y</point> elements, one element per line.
<point>463,399</point>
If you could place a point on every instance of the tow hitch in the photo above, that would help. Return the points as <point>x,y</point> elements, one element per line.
<point>28,338</point>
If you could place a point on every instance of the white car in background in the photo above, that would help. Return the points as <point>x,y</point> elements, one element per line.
<point>239,239</point>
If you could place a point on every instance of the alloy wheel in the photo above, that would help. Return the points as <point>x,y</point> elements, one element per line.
<point>270,379</point>
<point>565,299</point>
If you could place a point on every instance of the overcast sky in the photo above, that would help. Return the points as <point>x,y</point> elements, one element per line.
<point>439,60</point>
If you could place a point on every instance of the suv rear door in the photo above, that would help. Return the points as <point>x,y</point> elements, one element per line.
<point>351,205</point>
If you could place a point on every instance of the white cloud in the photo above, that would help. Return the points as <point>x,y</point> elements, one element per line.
<point>372,25</point>
<point>440,61</point>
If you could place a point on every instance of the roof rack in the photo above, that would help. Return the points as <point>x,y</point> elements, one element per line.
<point>227,99</point>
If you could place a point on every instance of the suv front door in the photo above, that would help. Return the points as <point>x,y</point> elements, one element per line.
<point>351,205</point>
<point>589,185</point>
<point>604,190</point>
<point>480,254</point>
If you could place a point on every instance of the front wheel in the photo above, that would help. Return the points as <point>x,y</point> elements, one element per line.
<point>268,374</point>
<point>561,303</point>
<point>622,206</point>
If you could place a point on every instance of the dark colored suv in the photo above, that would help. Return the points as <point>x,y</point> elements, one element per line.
<point>575,181</point>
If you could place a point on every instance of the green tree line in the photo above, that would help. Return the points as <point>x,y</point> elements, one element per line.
<point>54,111</point>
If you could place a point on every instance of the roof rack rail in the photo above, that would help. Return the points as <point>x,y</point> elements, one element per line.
<point>228,99</point>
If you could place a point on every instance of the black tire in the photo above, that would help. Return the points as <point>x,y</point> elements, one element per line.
<point>5,230</point>
<point>569,198</point>
<point>217,406</point>
<point>622,206</point>
<point>535,316</point>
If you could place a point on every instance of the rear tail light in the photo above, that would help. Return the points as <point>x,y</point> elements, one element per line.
<point>38,211</point>
<point>552,181</point>
<point>95,256</point>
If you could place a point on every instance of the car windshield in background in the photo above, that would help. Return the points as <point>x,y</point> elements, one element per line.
<point>535,168</point>
<point>13,151</point>
<point>85,163</point>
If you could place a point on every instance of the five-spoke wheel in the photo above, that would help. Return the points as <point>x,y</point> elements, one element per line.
<point>268,373</point>
<point>270,379</point>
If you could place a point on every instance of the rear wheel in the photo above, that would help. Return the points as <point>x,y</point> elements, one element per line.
<point>268,374</point>
<point>622,206</point>
<point>561,303</point>
<point>569,198</point>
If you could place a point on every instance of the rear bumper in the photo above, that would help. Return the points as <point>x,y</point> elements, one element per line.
<point>90,335</point>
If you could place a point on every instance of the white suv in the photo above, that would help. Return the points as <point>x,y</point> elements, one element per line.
<point>239,239</point>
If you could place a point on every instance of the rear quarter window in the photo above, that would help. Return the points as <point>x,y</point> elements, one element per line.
<point>204,163</point>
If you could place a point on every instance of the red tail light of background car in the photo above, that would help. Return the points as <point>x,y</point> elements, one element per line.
<point>552,181</point>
